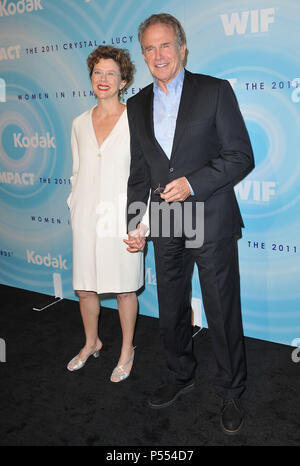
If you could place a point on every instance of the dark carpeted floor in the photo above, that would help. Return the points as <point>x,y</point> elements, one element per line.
<point>42,403</point>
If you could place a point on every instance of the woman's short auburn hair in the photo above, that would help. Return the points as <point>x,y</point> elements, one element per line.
<point>120,56</point>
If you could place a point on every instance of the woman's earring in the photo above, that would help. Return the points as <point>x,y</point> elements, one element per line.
<point>121,93</point>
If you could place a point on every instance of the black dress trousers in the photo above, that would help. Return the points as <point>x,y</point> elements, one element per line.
<point>218,270</point>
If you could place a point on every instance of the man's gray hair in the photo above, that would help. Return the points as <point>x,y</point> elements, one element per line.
<point>163,18</point>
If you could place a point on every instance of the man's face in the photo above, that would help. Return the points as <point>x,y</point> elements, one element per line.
<point>162,53</point>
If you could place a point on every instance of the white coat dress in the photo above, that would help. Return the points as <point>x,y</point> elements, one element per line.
<point>97,205</point>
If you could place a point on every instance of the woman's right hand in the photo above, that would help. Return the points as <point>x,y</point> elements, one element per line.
<point>136,238</point>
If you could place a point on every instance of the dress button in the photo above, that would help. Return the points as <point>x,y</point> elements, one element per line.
<point>171,170</point>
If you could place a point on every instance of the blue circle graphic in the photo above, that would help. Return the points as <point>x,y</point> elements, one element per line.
<point>260,141</point>
<point>12,142</point>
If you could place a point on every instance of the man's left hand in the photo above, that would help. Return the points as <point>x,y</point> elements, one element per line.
<point>176,191</point>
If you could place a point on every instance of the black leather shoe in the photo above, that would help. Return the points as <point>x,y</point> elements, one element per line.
<point>165,395</point>
<point>232,416</point>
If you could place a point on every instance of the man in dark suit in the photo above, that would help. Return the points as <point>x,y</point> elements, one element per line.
<point>189,145</point>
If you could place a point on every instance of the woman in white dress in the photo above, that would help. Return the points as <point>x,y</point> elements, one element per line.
<point>100,143</point>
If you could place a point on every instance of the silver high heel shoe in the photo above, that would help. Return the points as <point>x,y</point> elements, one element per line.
<point>120,372</point>
<point>77,363</point>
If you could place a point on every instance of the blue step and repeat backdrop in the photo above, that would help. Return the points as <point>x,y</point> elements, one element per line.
<point>44,84</point>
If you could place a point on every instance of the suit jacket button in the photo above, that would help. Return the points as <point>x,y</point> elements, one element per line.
<point>171,170</point>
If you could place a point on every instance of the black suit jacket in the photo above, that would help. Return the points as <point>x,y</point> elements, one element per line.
<point>211,149</point>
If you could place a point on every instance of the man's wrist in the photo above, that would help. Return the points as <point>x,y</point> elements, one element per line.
<point>192,191</point>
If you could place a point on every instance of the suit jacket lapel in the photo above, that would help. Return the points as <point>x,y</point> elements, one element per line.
<point>149,123</point>
<point>148,113</point>
<point>186,102</point>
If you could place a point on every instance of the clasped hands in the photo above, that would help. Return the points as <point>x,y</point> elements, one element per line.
<point>176,191</point>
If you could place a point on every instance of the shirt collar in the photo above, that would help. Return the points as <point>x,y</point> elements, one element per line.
<point>174,85</point>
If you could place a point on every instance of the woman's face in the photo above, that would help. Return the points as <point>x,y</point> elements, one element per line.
<point>106,79</point>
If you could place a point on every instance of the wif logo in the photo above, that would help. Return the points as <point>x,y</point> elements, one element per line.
<point>2,90</point>
<point>252,21</point>
<point>261,191</point>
